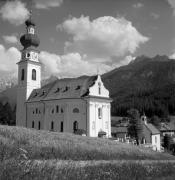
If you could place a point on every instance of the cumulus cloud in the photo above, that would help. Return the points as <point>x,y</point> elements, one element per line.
<point>70,65</point>
<point>15,12</point>
<point>138,5</point>
<point>10,39</point>
<point>45,4</point>
<point>102,38</point>
<point>122,62</point>
<point>172,4</point>
<point>8,59</point>
<point>172,56</point>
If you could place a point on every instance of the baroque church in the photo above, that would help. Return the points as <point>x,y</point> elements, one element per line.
<point>65,105</point>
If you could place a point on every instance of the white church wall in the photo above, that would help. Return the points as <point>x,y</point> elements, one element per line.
<point>97,123</point>
<point>156,141</point>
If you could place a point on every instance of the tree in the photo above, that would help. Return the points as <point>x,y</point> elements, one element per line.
<point>135,129</point>
<point>7,116</point>
<point>168,141</point>
<point>155,120</point>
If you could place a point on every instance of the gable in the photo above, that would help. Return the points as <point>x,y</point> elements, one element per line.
<point>98,89</point>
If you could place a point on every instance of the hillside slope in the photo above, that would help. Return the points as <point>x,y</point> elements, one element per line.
<point>32,154</point>
<point>54,145</point>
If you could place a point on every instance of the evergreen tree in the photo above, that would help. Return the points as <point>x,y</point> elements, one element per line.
<point>155,120</point>
<point>135,125</point>
<point>168,141</point>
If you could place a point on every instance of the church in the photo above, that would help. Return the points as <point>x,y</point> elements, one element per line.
<point>65,105</point>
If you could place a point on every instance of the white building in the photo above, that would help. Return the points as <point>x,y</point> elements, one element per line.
<point>151,134</point>
<point>65,105</point>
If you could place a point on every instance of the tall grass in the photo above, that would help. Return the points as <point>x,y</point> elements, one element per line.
<point>55,170</point>
<point>53,145</point>
<point>41,155</point>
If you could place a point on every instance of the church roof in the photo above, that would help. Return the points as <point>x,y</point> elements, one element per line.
<point>63,89</point>
<point>152,129</point>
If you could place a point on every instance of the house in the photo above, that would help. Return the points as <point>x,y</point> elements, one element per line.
<point>120,132</point>
<point>75,105</point>
<point>151,134</point>
<point>167,128</point>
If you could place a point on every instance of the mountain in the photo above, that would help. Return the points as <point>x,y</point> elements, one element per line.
<point>147,84</point>
<point>7,82</point>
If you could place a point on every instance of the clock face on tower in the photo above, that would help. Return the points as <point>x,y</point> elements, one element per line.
<point>32,56</point>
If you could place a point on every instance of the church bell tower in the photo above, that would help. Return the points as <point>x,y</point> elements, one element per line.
<point>29,71</point>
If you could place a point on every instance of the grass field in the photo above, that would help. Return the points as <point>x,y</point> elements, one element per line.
<point>32,154</point>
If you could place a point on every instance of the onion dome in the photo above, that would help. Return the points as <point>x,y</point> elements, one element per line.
<point>30,22</point>
<point>28,40</point>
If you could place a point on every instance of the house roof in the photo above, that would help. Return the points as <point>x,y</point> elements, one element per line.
<point>152,128</point>
<point>63,88</point>
<point>122,129</point>
<point>167,126</point>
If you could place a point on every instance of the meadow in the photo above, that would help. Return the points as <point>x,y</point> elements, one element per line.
<point>33,154</point>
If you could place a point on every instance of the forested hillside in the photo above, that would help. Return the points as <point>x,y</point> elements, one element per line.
<point>147,84</point>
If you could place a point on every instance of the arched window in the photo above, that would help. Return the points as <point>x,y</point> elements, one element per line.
<point>57,109</point>
<point>99,113</point>
<point>39,125</point>
<point>75,126</point>
<point>22,75</point>
<point>61,130</point>
<point>34,74</point>
<point>28,55</point>
<point>33,124</point>
<point>75,110</point>
<point>52,126</point>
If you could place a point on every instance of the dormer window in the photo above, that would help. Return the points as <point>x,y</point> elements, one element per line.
<point>66,89</point>
<point>78,87</point>
<point>35,94</point>
<point>57,90</point>
<point>43,93</point>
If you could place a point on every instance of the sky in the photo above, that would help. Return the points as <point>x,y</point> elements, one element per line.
<point>86,37</point>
